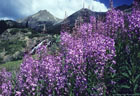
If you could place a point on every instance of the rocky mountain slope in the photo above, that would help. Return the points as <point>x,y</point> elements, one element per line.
<point>70,20</point>
<point>38,20</point>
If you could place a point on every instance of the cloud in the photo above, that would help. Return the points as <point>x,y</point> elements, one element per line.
<point>6,18</point>
<point>10,9</point>
<point>20,8</point>
<point>58,7</point>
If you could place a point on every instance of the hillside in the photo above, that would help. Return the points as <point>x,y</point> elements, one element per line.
<point>15,41</point>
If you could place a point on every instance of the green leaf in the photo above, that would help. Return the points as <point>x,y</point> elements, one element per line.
<point>138,55</point>
<point>130,73</point>
<point>136,86</point>
<point>125,74</point>
<point>125,86</point>
<point>113,75</point>
<point>71,93</point>
<point>130,82</point>
<point>137,94</point>
<point>137,77</point>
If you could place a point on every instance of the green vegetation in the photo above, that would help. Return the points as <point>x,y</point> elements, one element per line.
<point>12,46</point>
<point>36,35</point>
<point>14,41</point>
<point>13,32</point>
<point>11,66</point>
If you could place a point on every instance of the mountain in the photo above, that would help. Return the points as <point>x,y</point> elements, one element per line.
<point>37,21</point>
<point>85,14</point>
<point>125,8</point>
<point>53,24</point>
<point>70,20</point>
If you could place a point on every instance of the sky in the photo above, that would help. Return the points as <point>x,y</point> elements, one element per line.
<point>17,9</point>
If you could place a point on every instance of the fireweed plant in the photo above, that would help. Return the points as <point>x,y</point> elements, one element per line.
<point>128,54</point>
<point>96,58</point>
